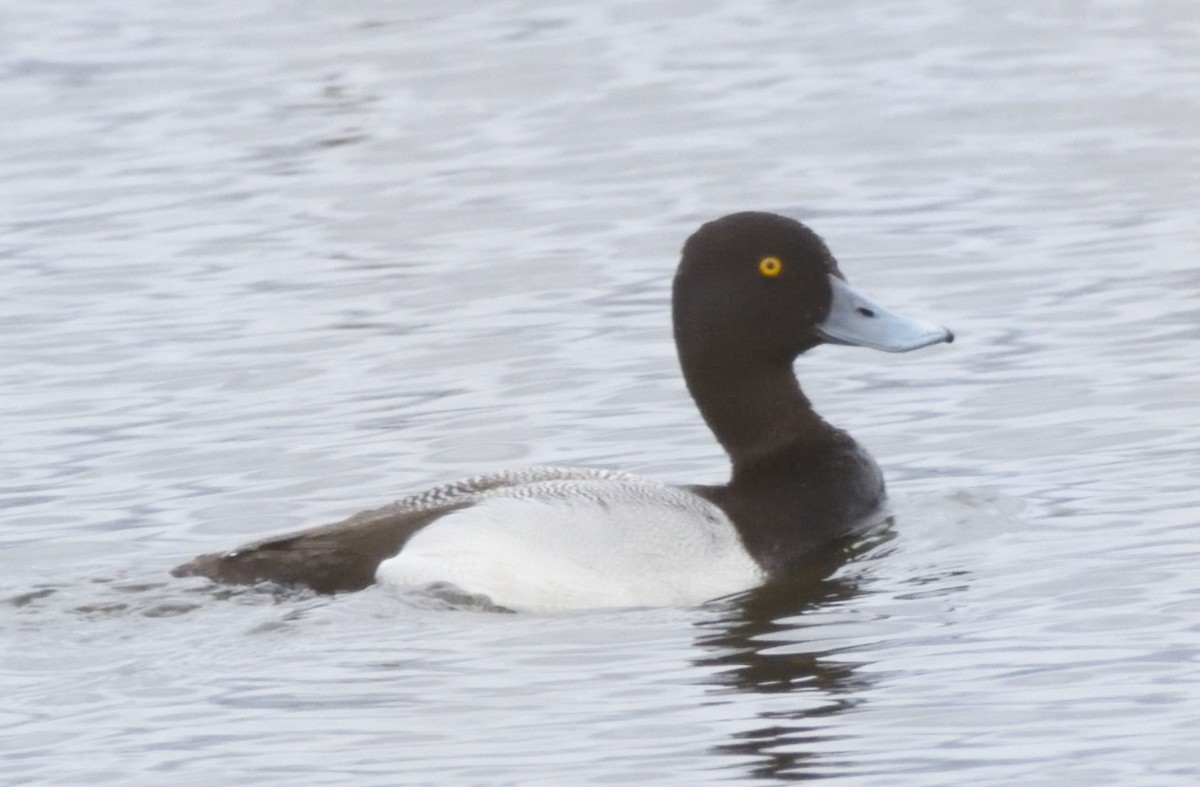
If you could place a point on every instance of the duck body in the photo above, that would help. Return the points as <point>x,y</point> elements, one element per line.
<point>752,292</point>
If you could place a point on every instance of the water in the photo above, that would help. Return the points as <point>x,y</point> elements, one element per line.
<point>265,265</point>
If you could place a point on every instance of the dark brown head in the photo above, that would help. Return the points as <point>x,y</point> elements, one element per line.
<point>752,285</point>
<point>758,288</point>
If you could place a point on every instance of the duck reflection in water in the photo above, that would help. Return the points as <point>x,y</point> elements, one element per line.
<point>759,643</point>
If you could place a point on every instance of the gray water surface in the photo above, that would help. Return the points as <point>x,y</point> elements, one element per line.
<point>264,265</point>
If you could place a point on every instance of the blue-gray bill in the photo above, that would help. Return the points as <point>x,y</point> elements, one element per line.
<point>857,320</point>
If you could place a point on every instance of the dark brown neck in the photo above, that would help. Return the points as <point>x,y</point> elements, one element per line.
<point>754,409</point>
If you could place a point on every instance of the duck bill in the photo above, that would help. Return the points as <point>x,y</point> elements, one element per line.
<point>857,320</point>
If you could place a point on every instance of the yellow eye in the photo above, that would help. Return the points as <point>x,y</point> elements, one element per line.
<point>770,267</point>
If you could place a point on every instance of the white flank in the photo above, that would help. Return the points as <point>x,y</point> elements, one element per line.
<point>579,543</point>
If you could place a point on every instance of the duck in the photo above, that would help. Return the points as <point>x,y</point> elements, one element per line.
<point>753,291</point>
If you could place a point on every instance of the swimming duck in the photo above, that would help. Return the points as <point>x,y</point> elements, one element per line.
<point>752,292</point>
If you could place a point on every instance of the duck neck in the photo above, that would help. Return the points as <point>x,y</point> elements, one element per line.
<point>754,409</point>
